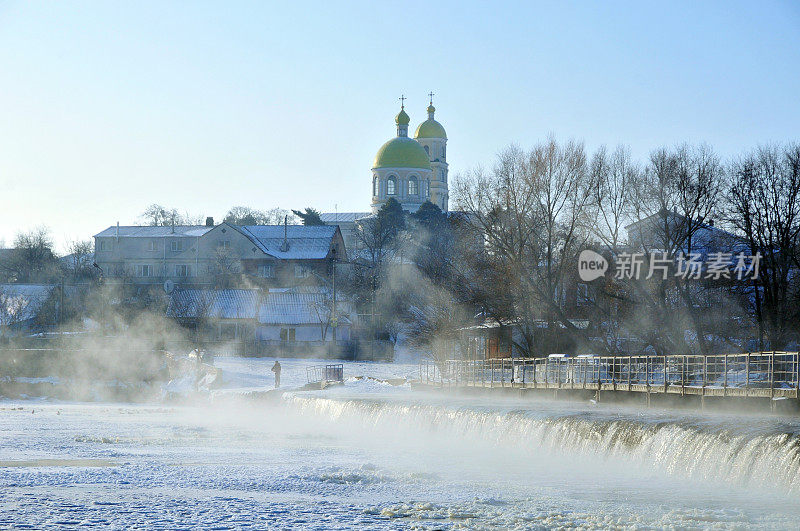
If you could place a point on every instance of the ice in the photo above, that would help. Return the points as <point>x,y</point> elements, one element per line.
<point>378,454</point>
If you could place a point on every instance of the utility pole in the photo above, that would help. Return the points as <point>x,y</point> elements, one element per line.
<point>333,311</point>
<point>372,323</point>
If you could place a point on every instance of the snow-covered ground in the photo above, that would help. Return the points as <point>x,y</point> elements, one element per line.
<point>371,455</point>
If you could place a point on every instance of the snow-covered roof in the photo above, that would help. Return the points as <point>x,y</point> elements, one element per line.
<point>148,231</point>
<point>219,304</point>
<point>292,308</point>
<point>343,217</point>
<point>305,242</point>
<point>21,302</point>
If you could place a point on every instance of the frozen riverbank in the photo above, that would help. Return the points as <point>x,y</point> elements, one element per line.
<point>373,455</point>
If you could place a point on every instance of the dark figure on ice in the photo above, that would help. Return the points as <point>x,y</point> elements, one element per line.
<point>277,370</point>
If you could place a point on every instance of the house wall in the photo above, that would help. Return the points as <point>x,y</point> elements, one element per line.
<point>201,258</point>
<point>121,257</point>
<point>304,332</point>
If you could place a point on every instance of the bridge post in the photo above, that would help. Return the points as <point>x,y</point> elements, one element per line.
<point>725,385</point>
<point>797,375</point>
<point>747,375</point>
<point>772,403</point>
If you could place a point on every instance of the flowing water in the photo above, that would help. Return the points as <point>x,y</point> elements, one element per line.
<point>373,456</point>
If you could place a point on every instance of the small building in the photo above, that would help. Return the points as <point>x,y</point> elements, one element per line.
<point>277,321</point>
<point>220,315</point>
<point>488,340</point>
<point>298,316</point>
<point>28,308</point>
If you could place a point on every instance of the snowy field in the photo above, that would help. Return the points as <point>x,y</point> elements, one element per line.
<point>370,455</point>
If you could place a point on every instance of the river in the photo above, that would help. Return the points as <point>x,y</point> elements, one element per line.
<point>371,455</point>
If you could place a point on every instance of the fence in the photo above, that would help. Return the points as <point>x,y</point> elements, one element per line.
<point>327,373</point>
<point>750,374</point>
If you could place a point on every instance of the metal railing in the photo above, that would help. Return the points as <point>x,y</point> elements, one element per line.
<point>762,371</point>
<point>329,373</point>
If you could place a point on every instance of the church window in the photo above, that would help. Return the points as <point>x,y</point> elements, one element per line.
<point>413,186</point>
<point>374,186</point>
<point>391,185</point>
<point>443,153</point>
<point>427,151</point>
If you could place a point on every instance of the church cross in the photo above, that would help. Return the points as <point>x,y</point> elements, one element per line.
<point>431,94</point>
<point>402,99</point>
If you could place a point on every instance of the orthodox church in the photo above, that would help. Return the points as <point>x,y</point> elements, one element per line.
<point>412,171</point>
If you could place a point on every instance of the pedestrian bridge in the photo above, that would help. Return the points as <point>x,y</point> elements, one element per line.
<point>753,374</point>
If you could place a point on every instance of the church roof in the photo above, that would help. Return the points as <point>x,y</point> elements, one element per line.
<point>402,152</point>
<point>402,118</point>
<point>430,128</point>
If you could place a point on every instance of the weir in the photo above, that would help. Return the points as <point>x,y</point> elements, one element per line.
<point>753,376</point>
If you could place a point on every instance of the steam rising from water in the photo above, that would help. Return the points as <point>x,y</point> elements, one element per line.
<point>747,453</point>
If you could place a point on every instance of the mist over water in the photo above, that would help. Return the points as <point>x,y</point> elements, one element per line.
<point>373,455</point>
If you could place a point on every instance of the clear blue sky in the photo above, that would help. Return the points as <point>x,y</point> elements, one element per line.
<point>106,107</point>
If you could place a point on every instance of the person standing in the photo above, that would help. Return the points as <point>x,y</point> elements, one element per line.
<point>277,370</point>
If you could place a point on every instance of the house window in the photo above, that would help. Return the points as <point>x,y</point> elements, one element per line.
<point>300,271</point>
<point>583,298</point>
<point>104,246</point>
<point>177,246</point>
<point>391,185</point>
<point>287,334</point>
<point>151,245</point>
<point>181,270</point>
<point>225,244</point>
<point>144,270</point>
<point>266,271</point>
<point>227,331</point>
<point>413,186</point>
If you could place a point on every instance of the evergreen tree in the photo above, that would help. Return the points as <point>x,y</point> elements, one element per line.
<point>310,217</point>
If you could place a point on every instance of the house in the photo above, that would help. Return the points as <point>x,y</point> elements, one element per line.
<point>296,320</point>
<point>302,315</point>
<point>27,308</point>
<point>150,255</point>
<point>203,255</point>
<point>348,225</point>
<point>670,231</point>
<point>222,315</point>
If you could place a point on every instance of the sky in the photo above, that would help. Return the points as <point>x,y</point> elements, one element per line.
<point>107,107</point>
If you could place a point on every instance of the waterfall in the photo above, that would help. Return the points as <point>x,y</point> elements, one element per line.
<point>749,453</point>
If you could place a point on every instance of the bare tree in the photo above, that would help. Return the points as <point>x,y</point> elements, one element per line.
<point>80,258</point>
<point>160,216</point>
<point>32,259</point>
<point>533,211</point>
<point>225,268</point>
<point>672,203</point>
<point>242,215</point>
<point>764,199</point>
